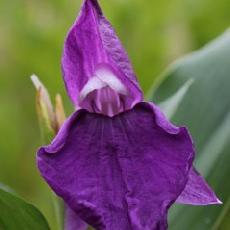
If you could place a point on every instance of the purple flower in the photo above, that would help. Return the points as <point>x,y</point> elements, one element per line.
<point>117,162</point>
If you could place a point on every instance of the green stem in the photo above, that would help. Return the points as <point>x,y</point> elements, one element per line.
<point>58,211</point>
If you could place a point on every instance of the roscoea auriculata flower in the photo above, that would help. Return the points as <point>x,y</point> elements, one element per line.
<point>117,162</point>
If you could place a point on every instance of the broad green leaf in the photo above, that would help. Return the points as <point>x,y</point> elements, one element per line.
<point>205,110</point>
<point>17,214</point>
<point>170,105</point>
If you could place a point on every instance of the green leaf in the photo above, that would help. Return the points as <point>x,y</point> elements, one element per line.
<point>170,105</point>
<point>205,110</point>
<point>16,214</point>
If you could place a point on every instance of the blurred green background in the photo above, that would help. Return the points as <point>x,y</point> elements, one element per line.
<point>155,32</point>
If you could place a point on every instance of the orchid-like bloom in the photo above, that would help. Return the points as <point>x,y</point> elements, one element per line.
<point>117,162</point>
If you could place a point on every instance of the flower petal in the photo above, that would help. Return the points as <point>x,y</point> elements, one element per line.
<point>197,191</point>
<point>119,173</point>
<point>92,46</point>
<point>72,221</point>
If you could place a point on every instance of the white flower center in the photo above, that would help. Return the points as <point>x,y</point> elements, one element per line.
<point>104,93</point>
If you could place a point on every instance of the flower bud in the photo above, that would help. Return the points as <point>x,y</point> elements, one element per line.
<point>59,112</point>
<point>45,110</point>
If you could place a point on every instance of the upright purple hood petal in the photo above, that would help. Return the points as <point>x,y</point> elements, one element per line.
<point>122,172</point>
<point>92,46</point>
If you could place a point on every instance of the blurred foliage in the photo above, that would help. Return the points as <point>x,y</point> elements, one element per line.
<point>32,32</point>
<point>17,214</point>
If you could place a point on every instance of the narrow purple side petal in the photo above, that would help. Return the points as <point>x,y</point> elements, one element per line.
<point>92,44</point>
<point>73,221</point>
<point>197,191</point>
<point>119,173</point>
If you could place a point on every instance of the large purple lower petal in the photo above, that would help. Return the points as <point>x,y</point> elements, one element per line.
<point>119,173</point>
<point>197,191</point>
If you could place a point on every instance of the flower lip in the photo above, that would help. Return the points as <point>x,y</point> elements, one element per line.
<point>91,149</point>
